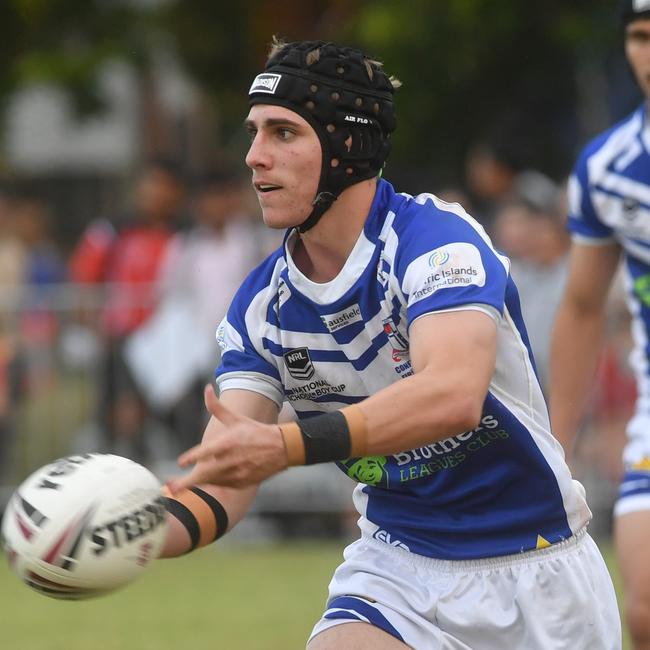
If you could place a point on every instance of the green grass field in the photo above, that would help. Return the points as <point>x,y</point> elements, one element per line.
<point>252,598</point>
<point>247,598</point>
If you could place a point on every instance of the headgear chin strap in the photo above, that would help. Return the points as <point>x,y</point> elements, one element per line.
<point>348,101</point>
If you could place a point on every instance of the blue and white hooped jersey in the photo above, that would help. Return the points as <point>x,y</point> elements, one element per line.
<point>609,201</point>
<point>498,489</point>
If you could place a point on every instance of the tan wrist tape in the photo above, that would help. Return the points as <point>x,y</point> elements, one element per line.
<point>293,443</point>
<point>202,515</point>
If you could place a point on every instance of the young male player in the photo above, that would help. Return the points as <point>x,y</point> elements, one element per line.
<point>609,203</point>
<point>393,327</point>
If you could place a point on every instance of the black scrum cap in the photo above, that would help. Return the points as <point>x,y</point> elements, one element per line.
<point>348,101</point>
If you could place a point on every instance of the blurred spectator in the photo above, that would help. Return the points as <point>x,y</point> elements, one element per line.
<point>12,251</point>
<point>125,255</point>
<point>221,244</point>
<point>13,260</point>
<point>530,228</point>
<point>492,165</point>
<point>43,269</point>
<point>44,263</point>
<point>175,353</point>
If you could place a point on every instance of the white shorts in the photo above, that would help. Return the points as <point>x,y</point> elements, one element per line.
<point>558,597</point>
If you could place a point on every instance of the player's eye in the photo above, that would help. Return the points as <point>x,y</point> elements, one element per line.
<point>284,133</point>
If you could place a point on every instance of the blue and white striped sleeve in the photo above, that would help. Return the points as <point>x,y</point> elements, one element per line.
<point>583,223</point>
<point>242,366</point>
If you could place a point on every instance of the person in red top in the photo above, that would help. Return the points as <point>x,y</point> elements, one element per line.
<point>124,256</point>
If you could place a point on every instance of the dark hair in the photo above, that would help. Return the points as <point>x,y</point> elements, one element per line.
<point>631,10</point>
<point>217,176</point>
<point>169,166</point>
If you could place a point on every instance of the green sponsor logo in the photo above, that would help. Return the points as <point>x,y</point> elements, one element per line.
<point>369,470</point>
<point>642,289</point>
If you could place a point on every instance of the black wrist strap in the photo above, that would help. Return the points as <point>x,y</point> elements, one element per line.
<point>326,438</point>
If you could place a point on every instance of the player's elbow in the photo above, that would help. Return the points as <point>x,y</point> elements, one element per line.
<point>467,412</point>
<point>451,405</point>
<point>459,410</point>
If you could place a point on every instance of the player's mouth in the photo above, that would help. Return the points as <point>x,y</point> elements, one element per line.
<point>265,188</point>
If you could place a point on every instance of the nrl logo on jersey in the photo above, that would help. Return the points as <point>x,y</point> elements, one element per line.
<point>299,363</point>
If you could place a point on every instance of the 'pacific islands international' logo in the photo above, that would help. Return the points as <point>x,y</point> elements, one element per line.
<point>265,83</point>
<point>299,363</point>
<point>438,258</point>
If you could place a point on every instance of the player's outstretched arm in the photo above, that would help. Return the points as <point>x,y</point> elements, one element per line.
<point>213,509</point>
<point>453,356</point>
<point>577,336</point>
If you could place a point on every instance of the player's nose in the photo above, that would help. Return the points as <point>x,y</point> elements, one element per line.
<point>258,155</point>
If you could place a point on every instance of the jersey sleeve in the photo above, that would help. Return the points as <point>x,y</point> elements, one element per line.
<point>583,223</point>
<point>445,262</point>
<point>245,362</point>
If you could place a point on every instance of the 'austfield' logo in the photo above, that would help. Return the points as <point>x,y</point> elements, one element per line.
<point>335,322</point>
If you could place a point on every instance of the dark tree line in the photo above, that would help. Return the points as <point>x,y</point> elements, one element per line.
<point>468,67</point>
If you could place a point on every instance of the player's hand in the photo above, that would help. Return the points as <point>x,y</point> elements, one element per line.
<point>242,452</point>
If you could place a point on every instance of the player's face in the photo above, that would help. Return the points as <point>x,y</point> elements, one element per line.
<point>285,157</point>
<point>637,48</point>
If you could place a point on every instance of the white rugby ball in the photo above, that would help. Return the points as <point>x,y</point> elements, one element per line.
<point>84,525</point>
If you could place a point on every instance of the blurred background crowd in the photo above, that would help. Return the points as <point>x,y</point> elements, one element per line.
<point>127,219</point>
